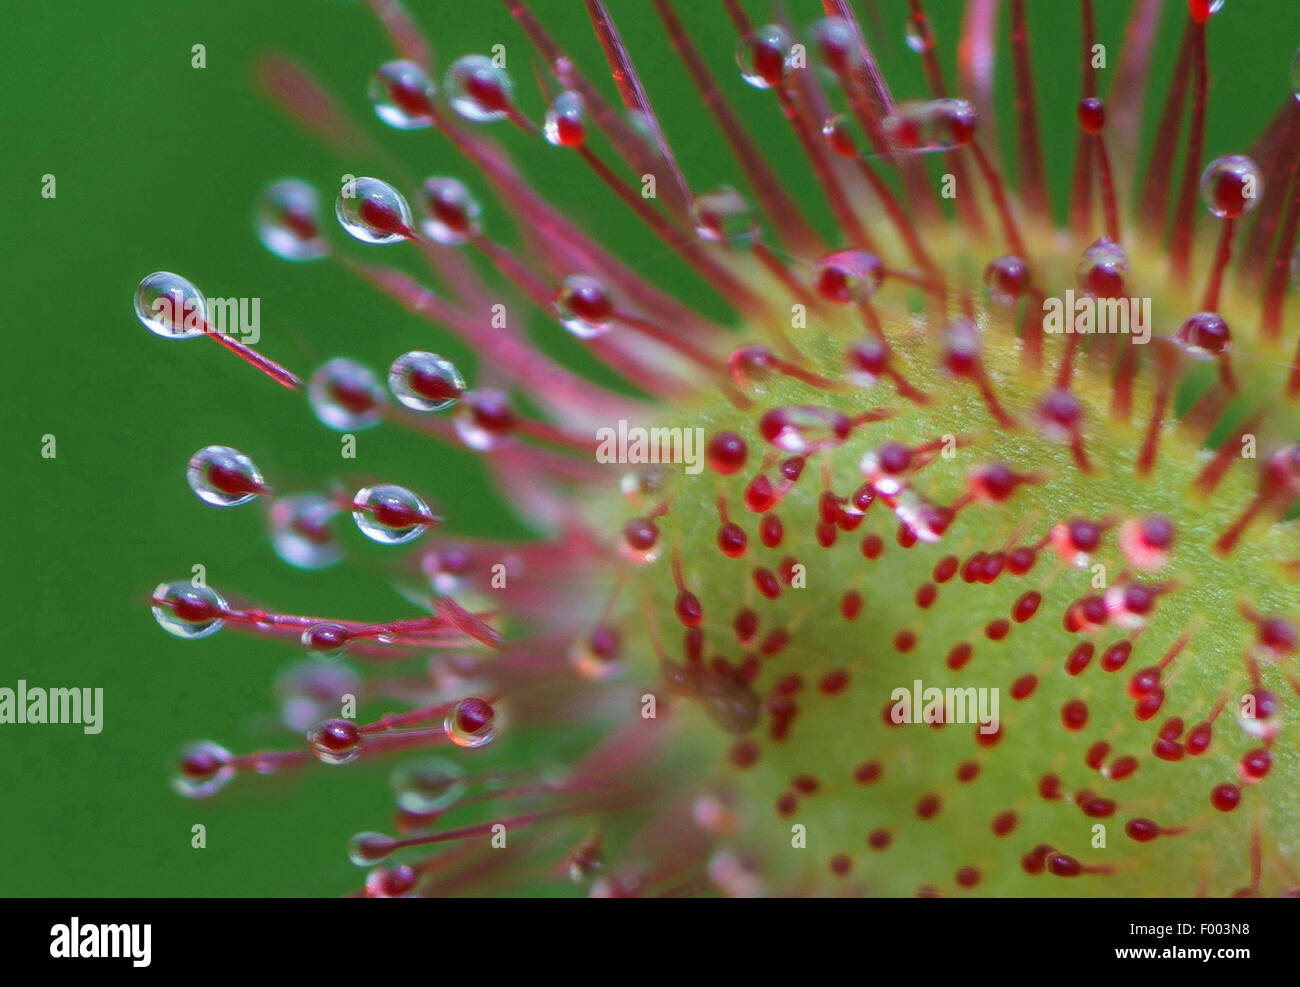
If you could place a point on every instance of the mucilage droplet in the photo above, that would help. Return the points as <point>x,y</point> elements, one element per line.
<point>425,381</point>
<point>170,306</point>
<point>224,477</point>
<point>391,515</point>
<point>373,211</point>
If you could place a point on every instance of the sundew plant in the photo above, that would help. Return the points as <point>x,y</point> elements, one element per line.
<point>920,539</point>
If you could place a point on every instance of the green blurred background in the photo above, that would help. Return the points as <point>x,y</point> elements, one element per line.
<point>157,166</point>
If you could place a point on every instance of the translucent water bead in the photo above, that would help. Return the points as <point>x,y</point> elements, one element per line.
<point>205,767</point>
<point>1007,279</point>
<point>478,89</point>
<point>346,395</point>
<point>373,211</point>
<point>288,221</point>
<point>470,723</point>
<point>566,123</point>
<point>584,306</point>
<point>483,418</point>
<point>723,216</point>
<point>308,692</point>
<point>188,611</point>
<point>1204,336</point>
<point>336,741</point>
<point>1203,10</point>
<point>451,213</point>
<point>223,477</point>
<point>1231,186</point>
<point>847,276</point>
<point>326,640</point>
<point>170,306</point>
<point>425,381</point>
<point>1102,269</point>
<point>928,125</point>
<point>369,848</point>
<point>432,784</point>
<point>765,56</point>
<point>918,39</point>
<point>391,515</point>
<point>402,95</point>
<point>391,882</point>
<point>300,531</point>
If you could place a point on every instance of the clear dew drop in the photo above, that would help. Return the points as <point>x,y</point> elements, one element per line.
<point>735,876</point>
<point>640,542</point>
<point>837,43</point>
<point>1284,467</point>
<point>373,211</point>
<point>402,95</point>
<point>447,568</point>
<point>916,37</point>
<point>470,723</point>
<point>585,865</point>
<point>205,769</point>
<point>429,785</point>
<point>1007,279</point>
<point>369,848</point>
<point>844,135</point>
<point>1231,186</point>
<point>288,220</point>
<point>1203,10</point>
<point>644,481</point>
<point>1294,74</point>
<point>584,306</point>
<point>961,342</point>
<point>477,89</point>
<point>1102,269</point>
<point>1259,715</point>
<point>300,531</point>
<point>566,121</point>
<point>482,418</point>
<point>1059,414</point>
<point>595,656</point>
<point>1204,336</point>
<point>723,216</point>
<point>326,640</point>
<point>391,882</point>
<point>188,611</point>
<point>391,515</point>
<point>170,306</point>
<point>308,692</point>
<point>846,276</point>
<point>336,741</point>
<point>451,213</point>
<point>425,381</point>
<point>346,396</point>
<point>865,362</point>
<point>765,56</point>
<point>930,125</point>
<point>803,428</point>
<point>223,477</point>
<point>755,366</point>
